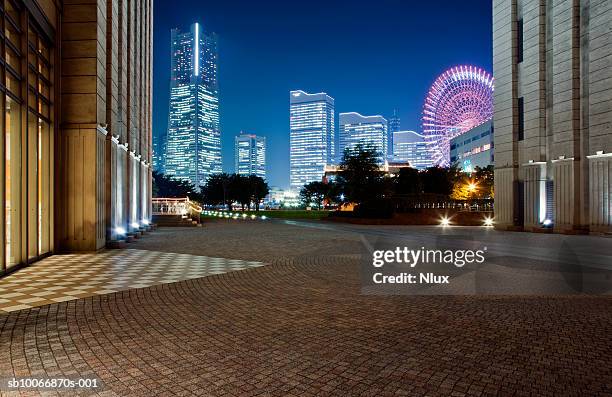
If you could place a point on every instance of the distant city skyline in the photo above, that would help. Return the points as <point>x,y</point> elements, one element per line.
<point>290,47</point>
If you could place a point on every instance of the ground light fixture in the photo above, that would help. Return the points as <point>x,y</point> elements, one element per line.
<point>120,231</point>
<point>263,217</point>
<point>135,225</point>
<point>445,221</point>
<point>145,222</point>
<point>488,221</point>
<point>547,223</point>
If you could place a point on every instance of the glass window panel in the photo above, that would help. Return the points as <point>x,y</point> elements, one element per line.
<point>44,50</point>
<point>11,11</point>
<point>32,78</point>
<point>12,58</point>
<point>33,183</point>
<point>12,84</point>
<point>43,108</point>
<point>12,34</point>
<point>32,58</point>
<point>44,187</point>
<point>2,188</point>
<point>32,100</point>
<point>44,89</point>
<point>13,182</point>
<point>44,70</point>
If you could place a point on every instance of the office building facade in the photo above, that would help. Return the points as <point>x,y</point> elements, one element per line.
<point>410,147</point>
<point>77,125</point>
<point>368,131</point>
<point>250,155</point>
<point>473,148</point>
<point>312,142</point>
<point>193,144</point>
<point>553,114</point>
<point>394,126</point>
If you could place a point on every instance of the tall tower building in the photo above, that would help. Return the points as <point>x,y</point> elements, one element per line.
<point>312,140</point>
<point>370,131</point>
<point>193,146</point>
<point>394,126</point>
<point>553,115</point>
<point>250,155</point>
<point>410,147</point>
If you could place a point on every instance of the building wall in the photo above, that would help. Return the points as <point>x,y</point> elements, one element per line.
<point>552,160</point>
<point>312,136</point>
<point>473,148</point>
<point>80,137</point>
<point>106,53</point>
<point>371,131</point>
<point>250,155</point>
<point>410,147</point>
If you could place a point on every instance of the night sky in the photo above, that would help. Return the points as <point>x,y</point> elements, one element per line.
<point>371,57</point>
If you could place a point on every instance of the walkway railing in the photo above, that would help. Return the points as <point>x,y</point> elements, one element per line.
<point>176,206</point>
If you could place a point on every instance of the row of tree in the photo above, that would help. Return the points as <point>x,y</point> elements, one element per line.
<point>220,189</point>
<point>226,189</point>
<point>361,180</point>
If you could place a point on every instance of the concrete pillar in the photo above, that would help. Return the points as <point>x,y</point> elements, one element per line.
<point>534,194</point>
<point>600,167</point>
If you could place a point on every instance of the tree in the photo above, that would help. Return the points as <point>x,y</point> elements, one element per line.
<point>240,190</point>
<point>166,186</point>
<point>438,180</point>
<point>314,192</point>
<point>259,189</point>
<point>216,190</point>
<point>408,181</point>
<point>484,177</point>
<point>360,178</point>
<point>477,185</point>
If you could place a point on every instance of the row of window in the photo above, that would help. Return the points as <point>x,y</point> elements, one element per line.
<point>27,136</point>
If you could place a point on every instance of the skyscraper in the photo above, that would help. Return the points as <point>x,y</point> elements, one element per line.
<point>312,140</point>
<point>193,146</point>
<point>394,126</point>
<point>410,147</point>
<point>368,131</point>
<point>159,153</point>
<point>250,155</point>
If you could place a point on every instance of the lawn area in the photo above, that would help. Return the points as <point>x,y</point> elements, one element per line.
<point>292,214</point>
<point>288,214</point>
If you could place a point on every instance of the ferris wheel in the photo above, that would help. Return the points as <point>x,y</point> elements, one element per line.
<point>460,99</point>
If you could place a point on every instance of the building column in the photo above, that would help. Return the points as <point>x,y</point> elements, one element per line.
<point>81,212</point>
<point>564,194</point>
<point>534,194</point>
<point>600,167</point>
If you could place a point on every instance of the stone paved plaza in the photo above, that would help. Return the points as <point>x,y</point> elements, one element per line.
<point>299,326</point>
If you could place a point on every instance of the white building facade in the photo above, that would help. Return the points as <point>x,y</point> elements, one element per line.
<point>410,147</point>
<point>312,136</point>
<point>368,131</point>
<point>250,155</point>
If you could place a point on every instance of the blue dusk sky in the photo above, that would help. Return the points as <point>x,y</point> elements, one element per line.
<point>370,56</point>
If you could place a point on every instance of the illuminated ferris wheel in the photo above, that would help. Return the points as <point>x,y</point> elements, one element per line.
<point>460,99</point>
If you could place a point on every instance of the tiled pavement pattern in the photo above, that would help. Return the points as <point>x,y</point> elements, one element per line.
<point>299,327</point>
<point>61,278</point>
